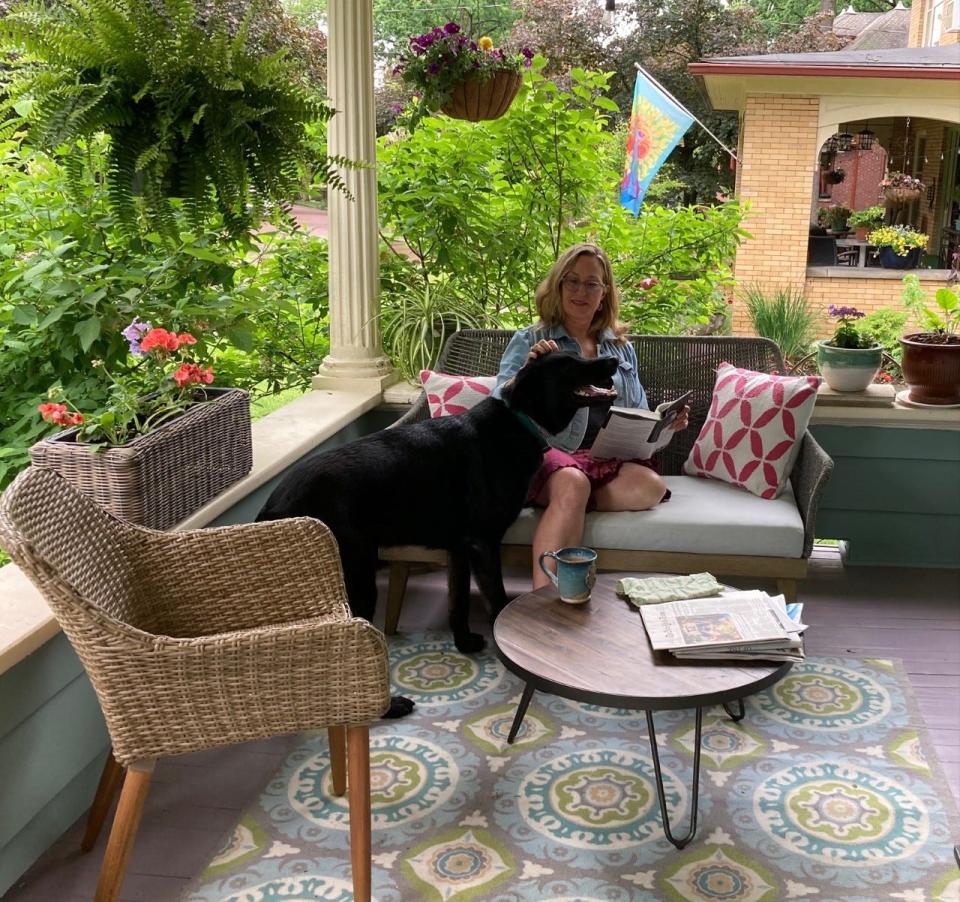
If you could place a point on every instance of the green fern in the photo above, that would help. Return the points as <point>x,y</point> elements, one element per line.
<point>192,111</point>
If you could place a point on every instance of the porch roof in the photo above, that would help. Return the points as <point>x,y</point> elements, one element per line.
<point>925,79</point>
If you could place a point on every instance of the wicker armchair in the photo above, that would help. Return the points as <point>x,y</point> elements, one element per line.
<point>199,639</point>
<point>668,365</point>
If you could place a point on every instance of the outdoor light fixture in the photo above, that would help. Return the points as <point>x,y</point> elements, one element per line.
<point>609,12</point>
<point>831,146</point>
<point>844,141</point>
<point>865,138</point>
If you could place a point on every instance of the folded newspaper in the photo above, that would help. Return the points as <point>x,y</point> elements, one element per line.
<point>736,626</point>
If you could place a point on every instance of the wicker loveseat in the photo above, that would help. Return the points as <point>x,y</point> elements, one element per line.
<point>707,524</point>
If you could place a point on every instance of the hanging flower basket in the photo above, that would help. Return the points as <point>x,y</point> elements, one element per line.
<point>480,99</point>
<point>901,196</point>
<point>159,478</point>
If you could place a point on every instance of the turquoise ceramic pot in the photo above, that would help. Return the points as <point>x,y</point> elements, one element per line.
<point>848,369</point>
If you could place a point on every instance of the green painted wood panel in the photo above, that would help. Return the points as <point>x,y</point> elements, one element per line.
<point>46,751</point>
<point>48,824</point>
<point>894,495</point>
<point>35,680</point>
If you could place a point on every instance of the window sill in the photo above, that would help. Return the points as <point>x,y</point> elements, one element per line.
<point>875,272</point>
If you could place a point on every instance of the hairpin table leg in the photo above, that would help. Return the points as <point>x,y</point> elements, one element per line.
<point>521,711</point>
<point>679,843</point>
<point>740,710</point>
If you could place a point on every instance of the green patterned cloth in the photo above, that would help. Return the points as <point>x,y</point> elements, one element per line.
<point>654,589</point>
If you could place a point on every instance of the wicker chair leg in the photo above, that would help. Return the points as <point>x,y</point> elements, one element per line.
<point>358,764</point>
<point>788,589</point>
<point>338,758</point>
<point>396,589</point>
<point>110,779</point>
<point>136,784</point>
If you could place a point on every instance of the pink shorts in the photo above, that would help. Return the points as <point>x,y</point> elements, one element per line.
<point>599,472</point>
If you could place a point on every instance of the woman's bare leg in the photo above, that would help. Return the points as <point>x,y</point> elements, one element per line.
<point>634,488</point>
<point>564,498</point>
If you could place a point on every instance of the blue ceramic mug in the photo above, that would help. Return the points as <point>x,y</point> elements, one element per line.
<point>576,572</point>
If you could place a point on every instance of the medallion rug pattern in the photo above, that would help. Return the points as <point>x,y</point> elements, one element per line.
<point>822,792</point>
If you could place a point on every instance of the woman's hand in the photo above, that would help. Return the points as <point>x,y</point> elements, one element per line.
<point>682,420</point>
<point>544,346</point>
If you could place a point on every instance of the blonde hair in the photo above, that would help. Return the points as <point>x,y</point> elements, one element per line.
<point>550,305</point>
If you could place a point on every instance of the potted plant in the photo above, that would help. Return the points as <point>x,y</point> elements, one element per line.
<point>163,445</point>
<point>900,189</point>
<point>463,78</point>
<point>835,217</point>
<point>835,176</point>
<point>899,246</point>
<point>195,109</point>
<point>931,358</point>
<point>851,358</point>
<point>864,221</point>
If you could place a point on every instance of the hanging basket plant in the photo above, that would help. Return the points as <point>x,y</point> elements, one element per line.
<point>900,189</point>
<point>465,79</point>
<point>479,99</point>
<point>835,176</point>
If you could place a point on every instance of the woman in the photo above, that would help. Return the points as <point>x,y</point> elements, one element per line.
<point>578,303</point>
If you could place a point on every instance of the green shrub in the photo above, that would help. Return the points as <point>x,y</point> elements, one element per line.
<point>72,282</point>
<point>486,209</point>
<point>886,326</point>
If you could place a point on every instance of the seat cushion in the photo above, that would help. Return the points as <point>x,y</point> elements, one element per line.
<point>703,516</point>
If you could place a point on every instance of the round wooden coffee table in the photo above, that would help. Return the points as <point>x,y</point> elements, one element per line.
<point>599,653</point>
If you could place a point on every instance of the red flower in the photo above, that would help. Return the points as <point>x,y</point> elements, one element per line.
<point>159,339</point>
<point>648,283</point>
<point>192,374</point>
<point>185,338</point>
<point>53,413</point>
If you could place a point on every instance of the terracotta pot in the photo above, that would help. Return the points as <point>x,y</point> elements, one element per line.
<point>848,369</point>
<point>476,100</point>
<point>932,371</point>
<point>861,233</point>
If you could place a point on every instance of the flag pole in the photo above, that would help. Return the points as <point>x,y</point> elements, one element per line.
<point>676,102</point>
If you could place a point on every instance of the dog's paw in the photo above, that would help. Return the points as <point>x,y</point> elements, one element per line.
<point>469,644</point>
<point>400,706</point>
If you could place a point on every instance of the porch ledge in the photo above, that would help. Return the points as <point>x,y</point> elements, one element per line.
<point>279,439</point>
<point>875,272</point>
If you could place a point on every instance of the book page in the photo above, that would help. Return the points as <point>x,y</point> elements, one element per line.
<point>727,620</point>
<point>630,433</point>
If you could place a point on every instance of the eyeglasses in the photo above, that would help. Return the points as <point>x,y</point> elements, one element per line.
<point>591,286</point>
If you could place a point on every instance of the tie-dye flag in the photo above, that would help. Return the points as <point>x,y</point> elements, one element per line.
<point>657,124</point>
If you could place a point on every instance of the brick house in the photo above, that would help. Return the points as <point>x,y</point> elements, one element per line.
<point>906,99</point>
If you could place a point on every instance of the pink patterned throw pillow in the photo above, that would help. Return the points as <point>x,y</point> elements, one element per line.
<point>751,436</point>
<point>447,394</point>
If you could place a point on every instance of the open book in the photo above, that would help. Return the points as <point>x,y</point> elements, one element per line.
<point>629,433</point>
<point>735,626</point>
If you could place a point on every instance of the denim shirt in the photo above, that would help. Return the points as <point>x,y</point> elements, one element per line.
<point>630,392</point>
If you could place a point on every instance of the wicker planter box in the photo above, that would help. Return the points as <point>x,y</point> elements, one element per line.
<point>477,99</point>
<point>160,478</point>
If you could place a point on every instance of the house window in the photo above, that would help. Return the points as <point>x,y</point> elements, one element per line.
<point>933,23</point>
<point>951,14</point>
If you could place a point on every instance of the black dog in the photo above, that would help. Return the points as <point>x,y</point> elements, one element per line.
<point>455,483</point>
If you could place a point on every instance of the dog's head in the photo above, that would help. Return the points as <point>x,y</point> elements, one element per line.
<point>552,388</point>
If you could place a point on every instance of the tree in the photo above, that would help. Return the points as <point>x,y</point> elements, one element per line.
<point>567,34</point>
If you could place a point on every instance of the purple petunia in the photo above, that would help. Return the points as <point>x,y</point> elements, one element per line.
<point>451,28</point>
<point>845,312</point>
<point>133,333</point>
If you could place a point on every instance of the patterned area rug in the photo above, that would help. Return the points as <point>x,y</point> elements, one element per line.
<point>823,791</point>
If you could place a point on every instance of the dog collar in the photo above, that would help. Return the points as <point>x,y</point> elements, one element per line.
<point>531,427</point>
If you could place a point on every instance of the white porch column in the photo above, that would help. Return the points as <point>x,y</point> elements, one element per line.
<point>356,358</point>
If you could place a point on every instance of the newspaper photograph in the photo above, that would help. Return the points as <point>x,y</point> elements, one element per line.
<point>735,619</point>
